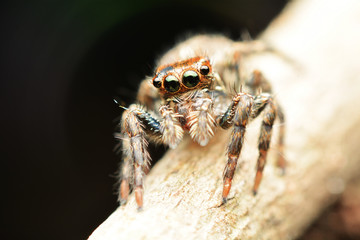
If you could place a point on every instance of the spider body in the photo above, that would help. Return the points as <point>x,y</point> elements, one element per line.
<point>190,95</point>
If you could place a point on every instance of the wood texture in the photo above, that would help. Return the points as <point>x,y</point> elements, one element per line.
<point>315,74</point>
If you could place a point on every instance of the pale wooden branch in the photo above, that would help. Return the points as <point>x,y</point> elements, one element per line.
<point>315,75</point>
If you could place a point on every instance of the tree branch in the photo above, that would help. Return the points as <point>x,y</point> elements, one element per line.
<point>318,89</point>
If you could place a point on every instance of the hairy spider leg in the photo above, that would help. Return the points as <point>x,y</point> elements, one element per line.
<point>136,156</point>
<point>258,83</point>
<point>126,175</point>
<point>137,125</point>
<point>281,162</point>
<point>263,103</point>
<point>238,115</point>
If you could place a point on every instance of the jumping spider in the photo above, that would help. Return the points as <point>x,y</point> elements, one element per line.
<point>192,95</point>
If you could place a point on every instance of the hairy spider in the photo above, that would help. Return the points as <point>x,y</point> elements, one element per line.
<point>190,93</point>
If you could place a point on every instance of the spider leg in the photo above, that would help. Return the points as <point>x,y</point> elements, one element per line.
<point>135,123</point>
<point>238,115</point>
<point>126,175</point>
<point>281,162</point>
<point>263,103</point>
<point>258,83</point>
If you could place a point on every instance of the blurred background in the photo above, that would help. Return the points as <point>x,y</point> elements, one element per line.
<point>62,63</point>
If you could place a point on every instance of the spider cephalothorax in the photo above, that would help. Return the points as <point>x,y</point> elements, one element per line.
<point>189,96</point>
<point>180,77</point>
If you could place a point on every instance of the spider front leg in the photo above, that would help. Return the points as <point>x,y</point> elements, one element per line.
<point>238,115</point>
<point>126,174</point>
<point>137,125</point>
<point>135,153</point>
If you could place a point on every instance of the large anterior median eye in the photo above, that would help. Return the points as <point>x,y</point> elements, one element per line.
<point>190,79</point>
<point>171,84</point>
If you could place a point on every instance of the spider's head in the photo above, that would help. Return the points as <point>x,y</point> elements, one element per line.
<point>183,76</point>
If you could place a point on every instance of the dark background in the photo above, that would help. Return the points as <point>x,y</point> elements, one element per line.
<point>62,63</point>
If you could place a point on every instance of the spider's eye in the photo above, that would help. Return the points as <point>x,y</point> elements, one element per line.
<point>190,79</point>
<point>204,70</point>
<point>157,83</point>
<point>171,84</point>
